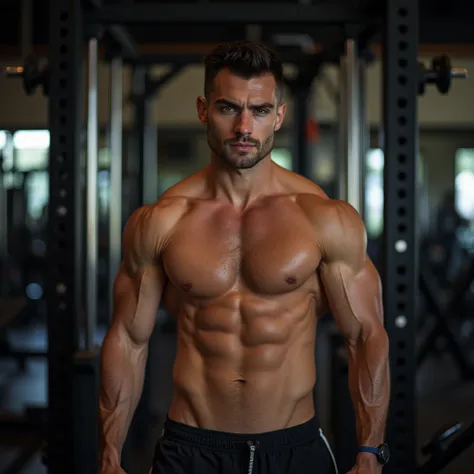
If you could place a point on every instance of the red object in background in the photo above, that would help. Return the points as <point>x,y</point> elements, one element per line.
<point>312,131</point>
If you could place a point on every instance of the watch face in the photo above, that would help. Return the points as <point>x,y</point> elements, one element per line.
<point>384,453</point>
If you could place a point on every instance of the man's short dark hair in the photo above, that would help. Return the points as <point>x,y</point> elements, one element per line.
<point>246,59</point>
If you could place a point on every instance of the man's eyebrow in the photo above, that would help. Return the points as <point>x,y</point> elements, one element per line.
<point>223,101</point>
<point>263,105</point>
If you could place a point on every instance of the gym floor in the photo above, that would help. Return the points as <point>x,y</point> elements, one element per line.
<point>443,398</point>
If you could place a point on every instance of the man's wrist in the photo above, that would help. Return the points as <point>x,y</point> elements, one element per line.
<point>109,459</point>
<point>379,453</point>
<point>368,461</point>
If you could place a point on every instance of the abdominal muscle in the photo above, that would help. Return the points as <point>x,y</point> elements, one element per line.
<point>245,365</point>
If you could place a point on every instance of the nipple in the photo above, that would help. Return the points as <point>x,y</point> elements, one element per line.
<point>186,287</point>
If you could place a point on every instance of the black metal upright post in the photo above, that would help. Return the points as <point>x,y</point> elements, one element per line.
<point>146,137</point>
<point>400,270</point>
<point>302,159</point>
<point>364,144</point>
<point>139,93</point>
<point>64,227</point>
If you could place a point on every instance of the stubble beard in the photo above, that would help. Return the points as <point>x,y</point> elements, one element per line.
<point>243,159</point>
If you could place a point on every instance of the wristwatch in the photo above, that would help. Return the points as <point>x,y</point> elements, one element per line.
<point>382,452</point>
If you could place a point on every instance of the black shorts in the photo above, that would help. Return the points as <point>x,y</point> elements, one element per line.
<point>302,449</point>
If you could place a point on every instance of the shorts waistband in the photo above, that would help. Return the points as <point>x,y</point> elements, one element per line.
<point>270,440</point>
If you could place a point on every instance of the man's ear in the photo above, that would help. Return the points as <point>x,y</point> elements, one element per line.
<point>281,112</point>
<point>201,107</point>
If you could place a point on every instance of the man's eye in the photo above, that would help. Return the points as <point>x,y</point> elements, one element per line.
<point>261,111</point>
<point>227,109</point>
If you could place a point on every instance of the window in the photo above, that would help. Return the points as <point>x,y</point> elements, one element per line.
<point>3,139</point>
<point>6,150</point>
<point>374,190</point>
<point>464,182</point>
<point>322,163</point>
<point>104,158</point>
<point>37,195</point>
<point>374,198</point>
<point>103,193</point>
<point>12,180</point>
<point>31,149</point>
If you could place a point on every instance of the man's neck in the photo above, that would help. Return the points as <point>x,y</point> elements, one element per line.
<point>241,186</point>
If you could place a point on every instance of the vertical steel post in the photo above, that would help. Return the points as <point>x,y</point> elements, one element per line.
<point>400,272</point>
<point>146,137</point>
<point>64,226</point>
<point>351,132</point>
<point>301,156</point>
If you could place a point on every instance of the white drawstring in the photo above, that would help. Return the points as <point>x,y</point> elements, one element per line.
<point>329,449</point>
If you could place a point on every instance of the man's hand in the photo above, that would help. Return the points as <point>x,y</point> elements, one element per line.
<point>366,463</point>
<point>117,470</point>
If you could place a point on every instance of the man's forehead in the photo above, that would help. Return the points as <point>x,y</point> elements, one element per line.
<point>263,86</point>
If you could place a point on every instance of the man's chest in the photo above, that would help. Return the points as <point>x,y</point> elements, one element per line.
<point>268,250</point>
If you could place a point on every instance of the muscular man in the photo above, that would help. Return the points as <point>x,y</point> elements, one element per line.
<point>247,256</point>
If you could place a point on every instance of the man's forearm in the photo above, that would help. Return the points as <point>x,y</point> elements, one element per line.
<point>369,384</point>
<point>122,374</point>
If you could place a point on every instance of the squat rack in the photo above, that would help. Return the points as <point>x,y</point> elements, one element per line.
<point>68,18</point>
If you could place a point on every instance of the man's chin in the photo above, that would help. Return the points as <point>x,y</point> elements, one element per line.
<point>241,161</point>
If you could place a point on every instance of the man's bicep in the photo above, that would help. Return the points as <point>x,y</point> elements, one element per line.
<point>355,298</point>
<point>140,280</point>
<point>350,279</point>
<point>136,301</point>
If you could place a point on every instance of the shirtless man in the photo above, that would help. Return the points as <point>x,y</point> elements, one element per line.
<point>247,256</point>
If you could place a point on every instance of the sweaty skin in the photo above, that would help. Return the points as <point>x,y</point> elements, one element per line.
<point>246,261</point>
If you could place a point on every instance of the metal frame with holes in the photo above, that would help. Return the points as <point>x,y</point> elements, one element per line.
<point>64,226</point>
<point>400,273</point>
<point>66,234</point>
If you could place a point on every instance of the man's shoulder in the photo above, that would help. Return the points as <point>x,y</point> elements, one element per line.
<point>159,216</point>
<point>328,210</point>
<point>338,226</point>
<point>314,201</point>
<point>150,227</point>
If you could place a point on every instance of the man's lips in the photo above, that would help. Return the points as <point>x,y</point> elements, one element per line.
<point>242,145</point>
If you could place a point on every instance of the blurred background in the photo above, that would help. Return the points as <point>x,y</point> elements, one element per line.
<point>445,389</point>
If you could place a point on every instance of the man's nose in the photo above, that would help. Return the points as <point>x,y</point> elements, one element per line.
<point>243,123</point>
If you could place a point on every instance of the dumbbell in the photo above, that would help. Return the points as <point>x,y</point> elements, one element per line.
<point>440,74</point>
<point>32,74</point>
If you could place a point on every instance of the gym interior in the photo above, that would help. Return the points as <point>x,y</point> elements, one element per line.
<point>98,118</point>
